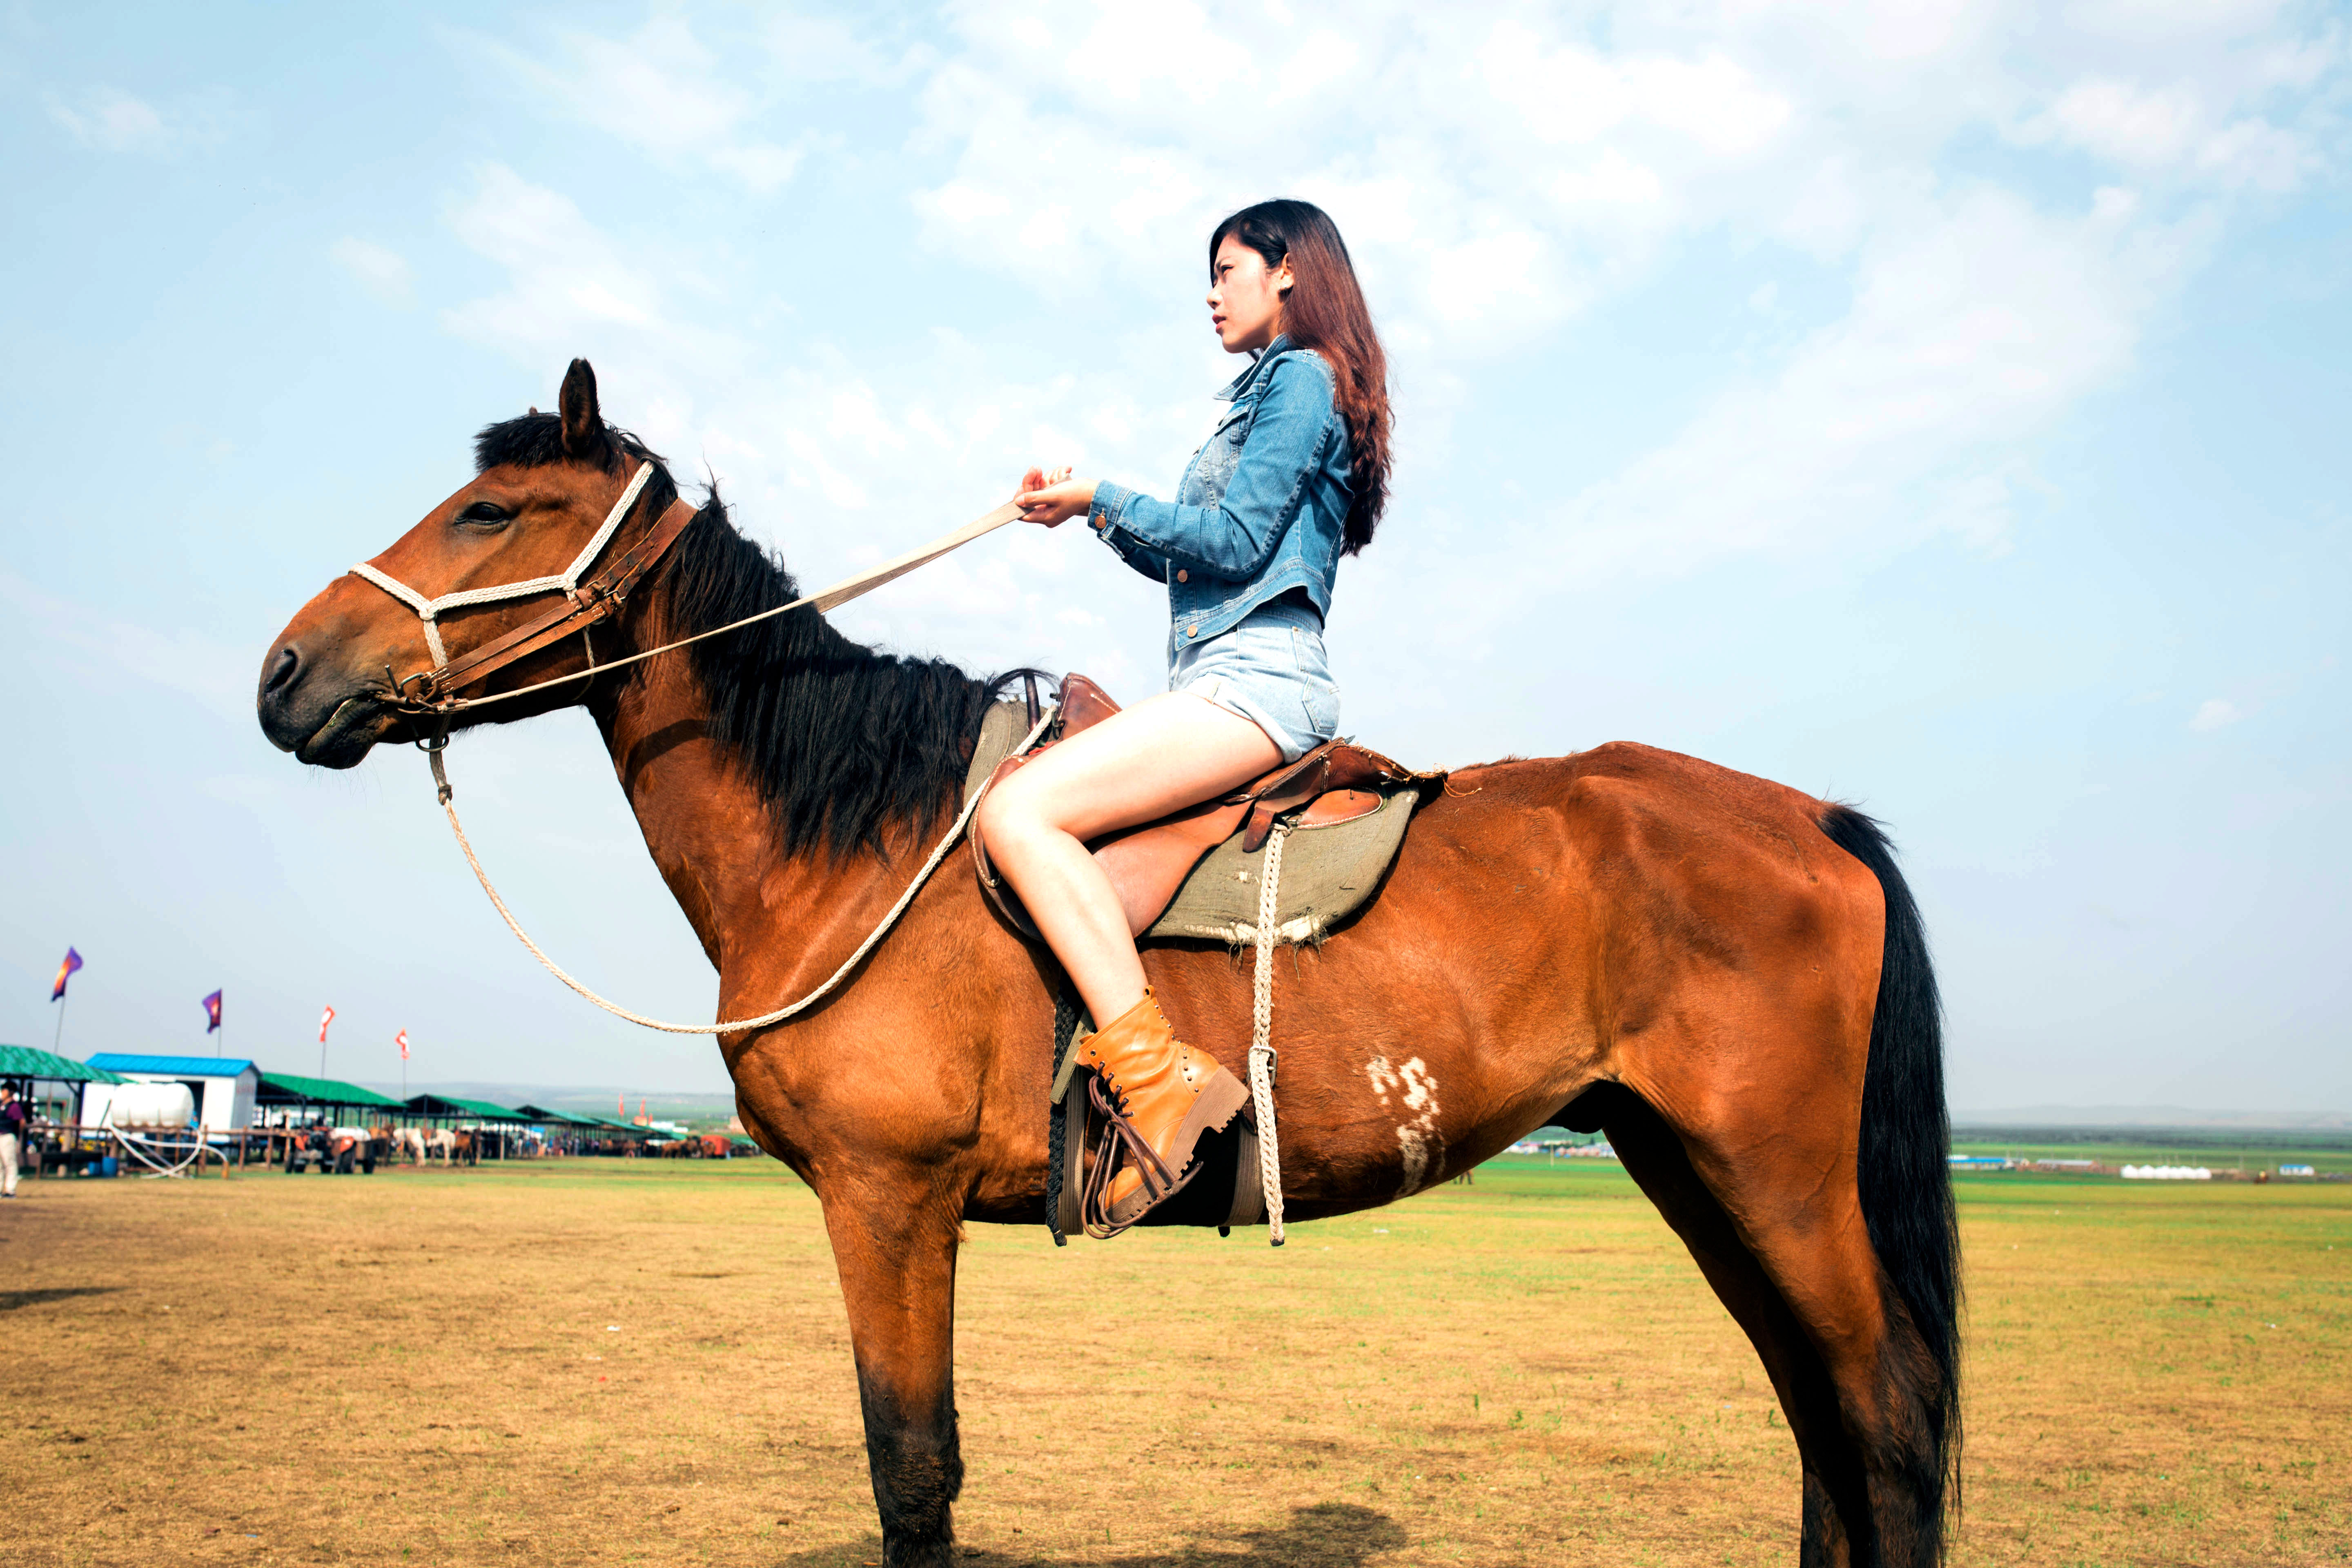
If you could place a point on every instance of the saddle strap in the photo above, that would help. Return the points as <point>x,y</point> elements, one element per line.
<point>1061,1217</point>
<point>1249,1191</point>
<point>1261,1052</point>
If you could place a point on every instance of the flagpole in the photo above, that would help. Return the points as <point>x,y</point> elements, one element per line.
<point>56,1042</point>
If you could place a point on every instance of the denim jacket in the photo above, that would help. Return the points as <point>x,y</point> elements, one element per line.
<point>1262,508</point>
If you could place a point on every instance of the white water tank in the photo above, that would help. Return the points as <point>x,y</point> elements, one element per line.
<point>163,1106</point>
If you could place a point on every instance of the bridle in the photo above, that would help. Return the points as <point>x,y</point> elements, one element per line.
<point>584,605</point>
<point>598,601</point>
<point>601,600</point>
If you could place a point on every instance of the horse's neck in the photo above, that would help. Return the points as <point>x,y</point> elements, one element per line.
<point>759,915</point>
<point>703,820</point>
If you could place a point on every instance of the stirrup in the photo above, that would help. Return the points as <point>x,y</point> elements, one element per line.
<point>1121,1144</point>
<point>1218,1104</point>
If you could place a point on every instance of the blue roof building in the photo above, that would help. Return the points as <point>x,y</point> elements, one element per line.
<point>224,1085</point>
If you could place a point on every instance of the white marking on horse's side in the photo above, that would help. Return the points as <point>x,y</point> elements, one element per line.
<point>1416,1139</point>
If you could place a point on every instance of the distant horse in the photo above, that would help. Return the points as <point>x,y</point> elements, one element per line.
<point>1727,975</point>
<point>410,1143</point>
<point>443,1142</point>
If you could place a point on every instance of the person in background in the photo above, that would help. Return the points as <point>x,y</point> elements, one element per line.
<point>13,1127</point>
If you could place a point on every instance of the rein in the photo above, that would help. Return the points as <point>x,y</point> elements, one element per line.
<point>434,749</point>
<point>601,600</point>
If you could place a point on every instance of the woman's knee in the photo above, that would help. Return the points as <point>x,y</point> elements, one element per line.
<point>1014,815</point>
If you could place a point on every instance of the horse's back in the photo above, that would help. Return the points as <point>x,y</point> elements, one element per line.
<point>1645,884</point>
<point>1670,832</point>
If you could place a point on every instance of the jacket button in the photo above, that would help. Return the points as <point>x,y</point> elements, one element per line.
<point>1181,575</point>
<point>1191,631</point>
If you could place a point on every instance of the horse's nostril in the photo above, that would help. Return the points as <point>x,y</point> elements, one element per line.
<point>282,674</point>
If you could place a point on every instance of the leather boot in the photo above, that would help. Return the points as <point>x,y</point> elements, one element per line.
<point>1171,1092</point>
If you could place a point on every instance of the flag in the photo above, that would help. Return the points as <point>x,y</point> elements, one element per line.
<point>325,1019</point>
<point>401,1039</point>
<point>65,973</point>
<point>212,1012</point>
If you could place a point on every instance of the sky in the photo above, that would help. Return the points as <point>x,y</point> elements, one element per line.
<point>1937,408</point>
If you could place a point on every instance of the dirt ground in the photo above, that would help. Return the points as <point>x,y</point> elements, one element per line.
<point>614,1361</point>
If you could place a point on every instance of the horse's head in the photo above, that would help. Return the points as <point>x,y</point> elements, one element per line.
<point>345,672</point>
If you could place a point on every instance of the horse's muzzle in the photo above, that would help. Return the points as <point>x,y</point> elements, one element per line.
<point>325,719</point>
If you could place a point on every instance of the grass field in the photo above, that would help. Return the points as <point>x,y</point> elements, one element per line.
<point>620,1362</point>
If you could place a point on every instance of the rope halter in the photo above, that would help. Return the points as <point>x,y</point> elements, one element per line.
<point>566,582</point>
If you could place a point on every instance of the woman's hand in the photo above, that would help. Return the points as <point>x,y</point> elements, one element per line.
<point>1052,498</point>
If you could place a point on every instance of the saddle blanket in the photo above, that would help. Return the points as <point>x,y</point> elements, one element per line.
<point>1328,871</point>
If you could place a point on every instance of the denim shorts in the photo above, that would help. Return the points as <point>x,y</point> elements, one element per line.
<point>1271,670</point>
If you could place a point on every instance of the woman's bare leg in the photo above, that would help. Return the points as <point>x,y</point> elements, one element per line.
<point>1159,756</point>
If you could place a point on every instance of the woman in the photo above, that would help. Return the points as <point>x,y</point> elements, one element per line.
<point>1294,476</point>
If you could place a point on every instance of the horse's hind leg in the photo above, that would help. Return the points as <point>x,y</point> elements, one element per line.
<point>1779,1167</point>
<point>1835,1486</point>
<point>895,1245</point>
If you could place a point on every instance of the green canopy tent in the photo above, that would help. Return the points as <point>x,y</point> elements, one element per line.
<point>494,1123</point>
<point>611,1127</point>
<point>292,1092</point>
<point>452,1108</point>
<point>548,1116</point>
<point>46,1067</point>
<point>27,1067</point>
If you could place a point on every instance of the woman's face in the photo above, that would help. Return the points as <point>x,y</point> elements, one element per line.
<point>1245,297</point>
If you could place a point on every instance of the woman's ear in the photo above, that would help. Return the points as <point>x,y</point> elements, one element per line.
<point>1283,276</point>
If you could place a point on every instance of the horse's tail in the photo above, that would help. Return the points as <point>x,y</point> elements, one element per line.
<point>1905,1173</point>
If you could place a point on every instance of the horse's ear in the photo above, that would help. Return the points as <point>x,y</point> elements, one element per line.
<point>583,423</point>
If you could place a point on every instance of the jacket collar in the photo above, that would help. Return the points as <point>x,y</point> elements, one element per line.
<point>1264,358</point>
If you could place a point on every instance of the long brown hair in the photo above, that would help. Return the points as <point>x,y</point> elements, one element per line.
<point>1325,311</point>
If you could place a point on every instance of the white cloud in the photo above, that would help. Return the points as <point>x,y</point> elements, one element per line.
<point>114,121</point>
<point>383,273</point>
<point>659,90</point>
<point>1164,50</point>
<point>822,49</point>
<point>571,282</point>
<point>2172,128</point>
<point>1976,323</point>
<point>2128,124</point>
<point>1494,177</point>
<point>217,675</point>
<point>2253,152</point>
<point>2215,713</point>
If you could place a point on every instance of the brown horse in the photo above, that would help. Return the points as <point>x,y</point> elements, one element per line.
<point>1727,975</point>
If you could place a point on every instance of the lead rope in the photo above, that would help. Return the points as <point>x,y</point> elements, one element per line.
<point>1260,1051</point>
<point>433,749</point>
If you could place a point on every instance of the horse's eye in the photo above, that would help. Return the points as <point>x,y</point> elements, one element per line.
<point>485,514</point>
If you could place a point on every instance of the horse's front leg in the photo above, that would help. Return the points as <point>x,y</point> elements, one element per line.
<point>894,1240</point>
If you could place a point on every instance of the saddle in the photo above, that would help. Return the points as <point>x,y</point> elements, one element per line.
<point>1196,873</point>
<point>1150,866</point>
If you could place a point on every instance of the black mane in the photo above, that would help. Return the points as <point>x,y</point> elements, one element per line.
<point>845,742</point>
